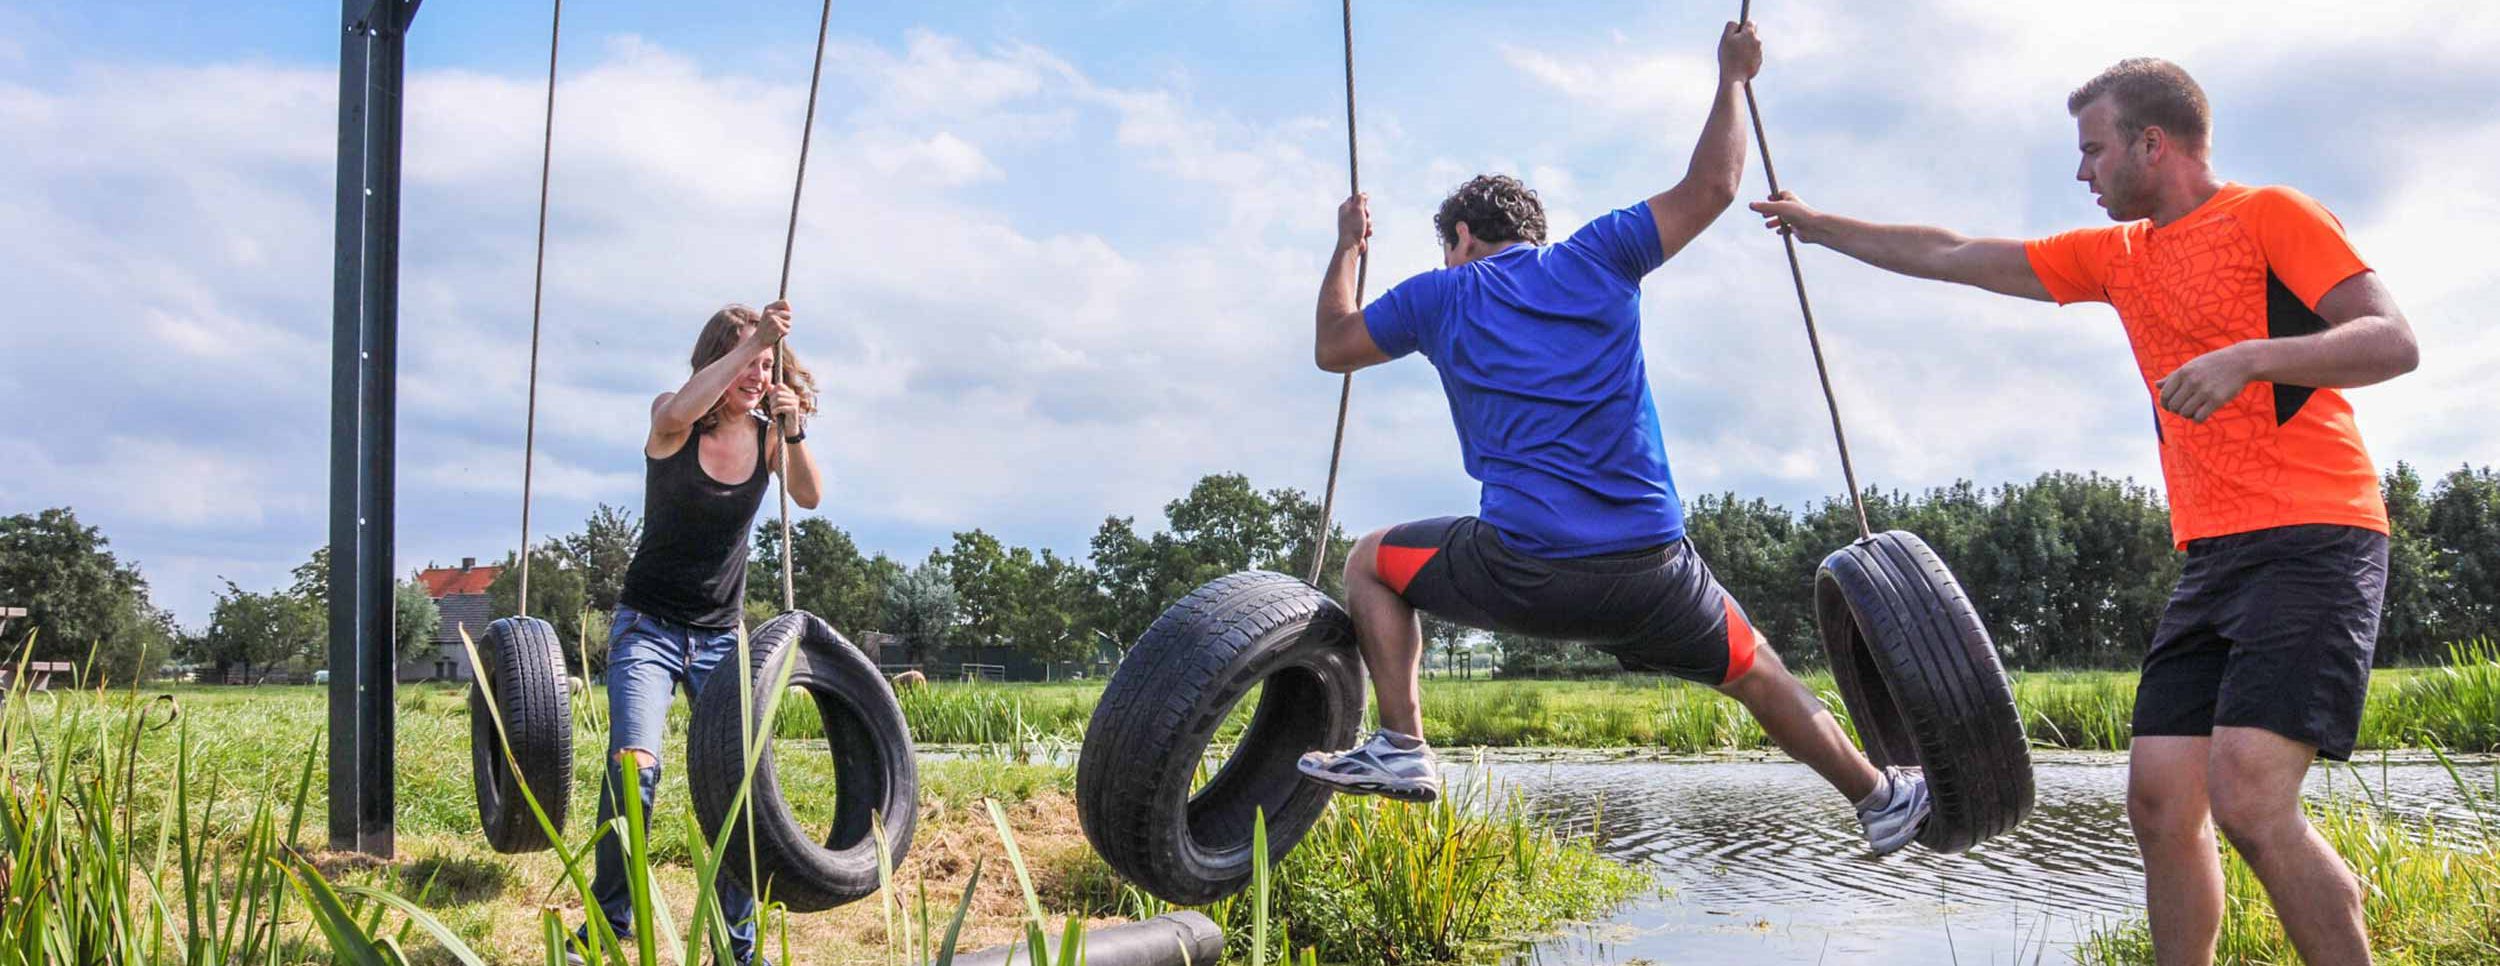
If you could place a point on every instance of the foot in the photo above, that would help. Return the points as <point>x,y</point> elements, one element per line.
<point>1390,765</point>
<point>1896,812</point>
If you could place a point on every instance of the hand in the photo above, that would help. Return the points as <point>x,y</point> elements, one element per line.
<point>1789,216</point>
<point>788,408</point>
<point>1740,52</point>
<point>1354,224</point>
<point>774,326</point>
<point>2208,382</point>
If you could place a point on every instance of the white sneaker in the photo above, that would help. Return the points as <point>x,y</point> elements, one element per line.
<point>1379,766</point>
<point>1897,822</point>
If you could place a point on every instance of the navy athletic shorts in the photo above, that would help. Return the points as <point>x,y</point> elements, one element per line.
<point>1654,609</point>
<point>2269,629</point>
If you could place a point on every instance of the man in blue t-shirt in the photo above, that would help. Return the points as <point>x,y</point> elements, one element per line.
<point>1579,533</point>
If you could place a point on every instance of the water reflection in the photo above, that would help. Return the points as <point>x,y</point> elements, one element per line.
<point>1759,862</point>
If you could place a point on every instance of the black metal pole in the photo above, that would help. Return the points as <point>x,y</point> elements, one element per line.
<point>363,413</point>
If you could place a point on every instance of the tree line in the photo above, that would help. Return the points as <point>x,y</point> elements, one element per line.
<point>2068,570</point>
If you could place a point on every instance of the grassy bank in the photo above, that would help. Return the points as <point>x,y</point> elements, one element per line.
<point>185,829</point>
<point>2430,892</point>
<point>2453,708</point>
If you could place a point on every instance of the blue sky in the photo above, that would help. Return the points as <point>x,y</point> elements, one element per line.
<point>1057,259</point>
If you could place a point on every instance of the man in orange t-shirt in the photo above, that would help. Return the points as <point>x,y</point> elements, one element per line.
<point>2248,311</point>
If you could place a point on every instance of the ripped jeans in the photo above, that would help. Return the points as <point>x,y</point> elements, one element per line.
<point>647,659</point>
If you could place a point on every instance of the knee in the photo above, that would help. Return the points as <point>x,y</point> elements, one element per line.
<point>636,759</point>
<point>2256,823</point>
<point>2160,815</point>
<point>1359,562</point>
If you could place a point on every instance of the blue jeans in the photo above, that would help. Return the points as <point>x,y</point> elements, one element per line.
<point>647,659</point>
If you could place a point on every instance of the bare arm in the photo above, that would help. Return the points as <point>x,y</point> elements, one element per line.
<point>1342,343</point>
<point>674,414</point>
<point>2367,340</point>
<point>1718,166</point>
<point>1996,264</point>
<point>799,475</point>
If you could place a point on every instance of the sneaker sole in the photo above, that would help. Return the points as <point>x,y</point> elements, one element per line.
<point>1417,793</point>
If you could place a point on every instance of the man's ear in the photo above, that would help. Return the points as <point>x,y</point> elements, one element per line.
<point>1466,237</point>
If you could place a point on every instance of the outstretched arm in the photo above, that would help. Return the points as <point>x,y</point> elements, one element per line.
<point>1718,165</point>
<point>1996,264</point>
<point>1343,344</point>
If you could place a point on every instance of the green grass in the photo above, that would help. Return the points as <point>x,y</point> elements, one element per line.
<point>2453,708</point>
<point>130,839</point>
<point>2430,893</point>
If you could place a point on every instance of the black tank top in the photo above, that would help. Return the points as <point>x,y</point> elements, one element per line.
<point>691,567</point>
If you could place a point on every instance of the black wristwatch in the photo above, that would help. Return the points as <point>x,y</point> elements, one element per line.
<point>795,440</point>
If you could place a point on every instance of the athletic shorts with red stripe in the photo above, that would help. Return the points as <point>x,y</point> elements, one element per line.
<point>1654,609</point>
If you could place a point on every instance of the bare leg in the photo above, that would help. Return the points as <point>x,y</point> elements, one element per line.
<point>1798,722</point>
<point>2255,781</point>
<point>1392,641</point>
<point>2167,803</point>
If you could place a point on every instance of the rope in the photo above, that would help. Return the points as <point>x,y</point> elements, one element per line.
<point>1362,267</point>
<point>538,289</point>
<point>789,241</point>
<point>1797,276</point>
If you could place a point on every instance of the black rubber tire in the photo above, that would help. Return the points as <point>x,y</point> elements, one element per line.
<point>525,669</point>
<point>1915,665</point>
<point>1163,706</point>
<point>875,776</point>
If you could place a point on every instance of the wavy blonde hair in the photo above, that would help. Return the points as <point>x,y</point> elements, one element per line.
<point>722,333</point>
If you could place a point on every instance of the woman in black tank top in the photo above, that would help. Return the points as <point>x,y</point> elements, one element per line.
<point>713,447</point>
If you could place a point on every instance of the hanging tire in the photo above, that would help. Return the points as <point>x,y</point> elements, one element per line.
<point>875,778</point>
<point>1921,679</point>
<point>525,674</point>
<point>1163,706</point>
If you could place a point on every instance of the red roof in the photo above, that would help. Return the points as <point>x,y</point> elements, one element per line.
<point>441,582</point>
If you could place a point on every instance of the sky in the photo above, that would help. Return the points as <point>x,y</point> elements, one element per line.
<point>1056,261</point>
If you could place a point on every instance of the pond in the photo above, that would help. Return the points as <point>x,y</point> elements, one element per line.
<point>1760,863</point>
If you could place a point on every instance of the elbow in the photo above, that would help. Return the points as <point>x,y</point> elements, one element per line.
<point>2407,357</point>
<point>1719,193</point>
<point>1331,363</point>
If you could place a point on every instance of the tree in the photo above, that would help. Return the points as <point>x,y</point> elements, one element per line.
<point>558,594</point>
<point>829,577</point>
<point>414,619</point>
<point>602,551</point>
<point>2464,525</point>
<point>258,631</point>
<point>82,604</point>
<point>920,609</point>
<point>2408,626</point>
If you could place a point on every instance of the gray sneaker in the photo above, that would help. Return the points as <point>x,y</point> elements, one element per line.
<point>1378,767</point>
<point>1894,826</point>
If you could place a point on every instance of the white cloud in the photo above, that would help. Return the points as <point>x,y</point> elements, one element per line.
<point>1036,296</point>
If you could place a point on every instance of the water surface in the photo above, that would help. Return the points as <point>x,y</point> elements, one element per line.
<point>1759,862</point>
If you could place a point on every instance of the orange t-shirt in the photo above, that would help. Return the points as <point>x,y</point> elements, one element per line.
<point>2249,263</point>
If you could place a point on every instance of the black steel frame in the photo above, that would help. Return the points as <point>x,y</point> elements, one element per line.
<point>363,416</point>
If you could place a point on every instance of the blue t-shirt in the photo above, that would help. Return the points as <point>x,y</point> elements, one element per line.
<point>1539,350</point>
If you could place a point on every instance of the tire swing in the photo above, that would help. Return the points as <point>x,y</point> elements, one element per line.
<point>1911,658</point>
<point>521,743</point>
<point>764,844</point>
<point>875,780</point>
<point>1142,752</point>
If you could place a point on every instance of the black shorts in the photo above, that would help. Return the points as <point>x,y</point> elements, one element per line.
<point>2269,629</point>
<point>1654,609</point>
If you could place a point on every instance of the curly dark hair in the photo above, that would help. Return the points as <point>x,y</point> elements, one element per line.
<point>1495,208</point>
